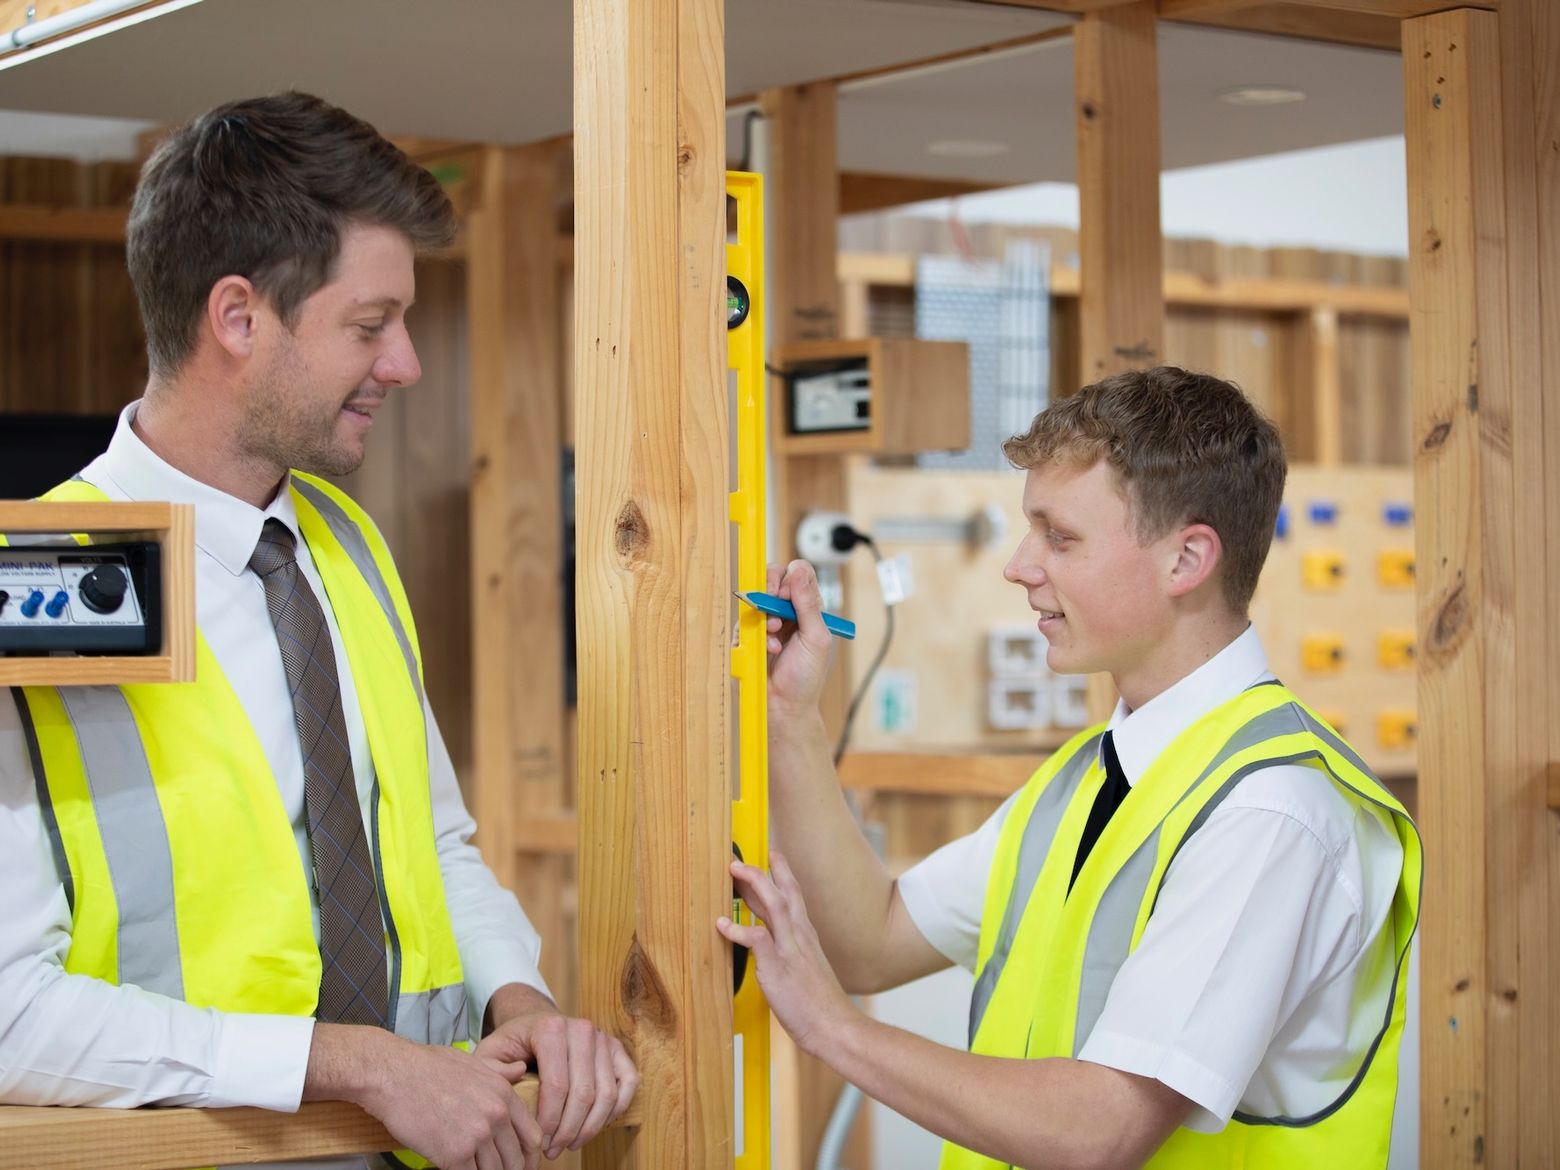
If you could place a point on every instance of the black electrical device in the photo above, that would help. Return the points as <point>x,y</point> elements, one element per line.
<point>81,599</point>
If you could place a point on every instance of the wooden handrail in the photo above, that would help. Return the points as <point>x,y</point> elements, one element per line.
<point>56,1138</point>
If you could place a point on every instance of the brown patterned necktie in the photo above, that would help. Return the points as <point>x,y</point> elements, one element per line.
<point>353,984</point>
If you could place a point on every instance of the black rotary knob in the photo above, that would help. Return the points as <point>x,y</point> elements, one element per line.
<point>103,589</point>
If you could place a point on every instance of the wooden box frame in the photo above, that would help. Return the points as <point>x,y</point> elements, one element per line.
<point>172,526</point>
<point>921,396</point>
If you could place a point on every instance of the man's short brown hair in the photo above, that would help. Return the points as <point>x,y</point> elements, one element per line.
<point>1186,449</point>
<point>263,188</point>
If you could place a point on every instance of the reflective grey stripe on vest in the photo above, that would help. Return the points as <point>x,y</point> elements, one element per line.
<point>45,799</point>
<point>1325,734</point>
<point>433,1017</point>
<point>1110,931</point>
<point>352,540</point>
<point>1044,819</point>
<point>135,838</point>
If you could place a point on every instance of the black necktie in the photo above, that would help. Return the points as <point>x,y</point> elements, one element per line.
<point>1106,802</point>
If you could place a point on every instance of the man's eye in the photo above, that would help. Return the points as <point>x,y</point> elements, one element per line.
<point>372,329</point>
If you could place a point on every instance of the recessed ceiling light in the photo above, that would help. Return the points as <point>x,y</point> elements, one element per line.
<point>967,148</point>
<point>1261,95</point>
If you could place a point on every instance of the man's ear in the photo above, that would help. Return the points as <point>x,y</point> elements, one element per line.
<point>1198,551</point>
<point>232,314</point>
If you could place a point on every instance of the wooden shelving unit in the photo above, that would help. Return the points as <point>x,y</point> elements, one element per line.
<point>170,525</point>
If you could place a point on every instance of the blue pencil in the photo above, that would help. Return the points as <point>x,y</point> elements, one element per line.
<point>781,608</point>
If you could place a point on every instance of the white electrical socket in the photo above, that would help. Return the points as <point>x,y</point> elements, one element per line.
<point>815,538</point>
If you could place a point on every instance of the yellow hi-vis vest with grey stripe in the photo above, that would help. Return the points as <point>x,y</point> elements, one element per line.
<point>180,864</point>
<point>1047,958</point>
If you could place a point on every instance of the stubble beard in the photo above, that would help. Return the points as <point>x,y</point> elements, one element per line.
<point>290,434</point>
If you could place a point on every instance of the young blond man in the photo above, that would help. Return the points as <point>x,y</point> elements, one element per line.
<point>1189,929</point>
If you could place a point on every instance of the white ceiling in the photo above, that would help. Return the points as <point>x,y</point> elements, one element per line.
<point>500,71</point>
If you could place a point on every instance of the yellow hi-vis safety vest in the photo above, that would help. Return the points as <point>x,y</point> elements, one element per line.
<point>1047,957</point>
<point>180,864</point>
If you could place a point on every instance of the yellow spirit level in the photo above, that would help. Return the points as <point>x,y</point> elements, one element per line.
<point>749,660</point>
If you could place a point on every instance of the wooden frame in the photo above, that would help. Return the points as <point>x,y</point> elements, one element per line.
<point>1487,270</point>
<point>173,527</point>
<point>49,1138</point>
<point>653,548</point>
<point>920,389</point>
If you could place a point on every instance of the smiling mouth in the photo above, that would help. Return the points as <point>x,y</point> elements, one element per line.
<point>1048,614</point>
<point>359,409</point>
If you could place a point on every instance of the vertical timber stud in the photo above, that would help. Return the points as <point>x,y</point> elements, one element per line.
<point>1121,294</point>
<point>1485,280</point>
<point>516,526</point>
<point>653,540</point>
<point>1121,256</point>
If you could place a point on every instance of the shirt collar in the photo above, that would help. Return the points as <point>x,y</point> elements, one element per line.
<point>226,527</point>
<point>1140,736</point>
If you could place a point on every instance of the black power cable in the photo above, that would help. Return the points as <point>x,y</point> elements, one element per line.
<point>844,539</point>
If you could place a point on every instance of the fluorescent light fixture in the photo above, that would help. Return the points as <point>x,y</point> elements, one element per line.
<point>967,148</point>
<point>1261,95</point>
<point>75,26</point>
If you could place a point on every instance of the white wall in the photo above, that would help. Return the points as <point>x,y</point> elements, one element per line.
<point>68,136</point>
<point>1350,198</point>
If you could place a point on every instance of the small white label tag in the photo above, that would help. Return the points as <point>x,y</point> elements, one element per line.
<point>896,578</point>
<point>740,1134</point>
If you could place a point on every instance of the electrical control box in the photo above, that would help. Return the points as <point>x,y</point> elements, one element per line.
<point>82,599</point>
<point>876,395</point>
<point>831,399</point>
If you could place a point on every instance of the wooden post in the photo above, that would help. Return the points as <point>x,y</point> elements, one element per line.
<point>1121,279</point>
<point>517,530</point>
<point>1317,401</point>
<point>1485,309</point>
<point>653,539</point>
<point>1116,71</point>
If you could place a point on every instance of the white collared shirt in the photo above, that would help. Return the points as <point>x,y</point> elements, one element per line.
<point>74,1040</point>
<point>1271,919</point>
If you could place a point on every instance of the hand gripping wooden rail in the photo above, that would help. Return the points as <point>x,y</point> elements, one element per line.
<point>54,1138</point>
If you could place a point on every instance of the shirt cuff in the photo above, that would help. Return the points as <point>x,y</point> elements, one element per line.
<point>489,965</point>
<point>1213,1095</point>
<point>261,1061</point>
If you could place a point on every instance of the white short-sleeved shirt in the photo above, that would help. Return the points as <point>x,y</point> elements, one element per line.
<point>1272,920</point>
<point>73,1040</point>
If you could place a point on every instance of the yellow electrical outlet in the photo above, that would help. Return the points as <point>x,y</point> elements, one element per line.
<point>1322,653</point>
<point>1321,568</point>
<point>1395,649</point>
<point>1395,568</point>
<point>1396,729</point>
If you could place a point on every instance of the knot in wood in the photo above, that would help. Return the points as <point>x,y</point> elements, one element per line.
<point>1089,111</point>
<point>1438,435</point>
<point>1451,621</point>
<point>631,534</point>
<point>644,995</point>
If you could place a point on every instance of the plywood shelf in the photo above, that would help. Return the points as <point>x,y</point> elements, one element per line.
<point>170,525</point>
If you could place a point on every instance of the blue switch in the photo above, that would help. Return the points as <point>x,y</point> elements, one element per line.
<point>30,606</point>
<point>1398,515</point>
<point>56,604</point>
<point>1323,512</point>
<point>1281,527</point>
